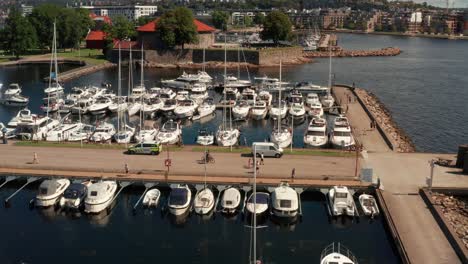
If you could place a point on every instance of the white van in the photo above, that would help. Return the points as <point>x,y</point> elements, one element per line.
<point>269,149</point>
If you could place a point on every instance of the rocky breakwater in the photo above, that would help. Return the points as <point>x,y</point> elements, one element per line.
<point>454,210</point>
<point>390,51</point>
<point>400,141</point>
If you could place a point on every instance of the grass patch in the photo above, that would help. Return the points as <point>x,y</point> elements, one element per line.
<point>91,56</point>
<point>67,145</point>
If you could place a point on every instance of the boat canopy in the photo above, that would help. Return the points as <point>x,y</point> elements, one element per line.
<point>178,196</point>
<point>261,198</point>
<point>75,190</point>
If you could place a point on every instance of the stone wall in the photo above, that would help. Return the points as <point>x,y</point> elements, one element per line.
<point>217,55</point>
<point>272,56</point>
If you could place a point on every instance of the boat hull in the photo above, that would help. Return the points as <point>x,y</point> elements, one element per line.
<point>97,208</point>
<point>46,202</point>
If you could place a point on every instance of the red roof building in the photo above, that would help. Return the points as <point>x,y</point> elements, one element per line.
<point>95,39</point>
<point>152,26</point>
<point>104,19</point>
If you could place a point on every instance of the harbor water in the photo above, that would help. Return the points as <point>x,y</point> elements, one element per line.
<point>148,236</point>
<point>424,88</point>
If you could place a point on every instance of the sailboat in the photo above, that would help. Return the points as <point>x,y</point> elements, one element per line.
<point>327,100</point>
<point>54,86</point>
<point>135,94</point>
<point>226,136</point>
<point>124,132</point>
<point>204,199</point>
<point>281,136</point>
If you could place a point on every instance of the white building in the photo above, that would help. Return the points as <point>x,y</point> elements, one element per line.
<point>131,12</point>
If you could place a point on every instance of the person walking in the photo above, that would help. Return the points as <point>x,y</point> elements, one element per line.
<point>261,159</point>
<point>126,168</point>
<point>293,173</point>
<point>35,159</point>
<point>257,169</point>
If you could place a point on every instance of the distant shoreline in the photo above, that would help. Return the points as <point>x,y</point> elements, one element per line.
<point>448,37</point>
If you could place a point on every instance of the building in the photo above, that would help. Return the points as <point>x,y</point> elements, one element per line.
<point>148,35</point>
<point>131,12</point>
<point>95,39</point>
<point>414,25</point>
<point>26,9</point>
<point>238,18</point>
<point>333,18</point>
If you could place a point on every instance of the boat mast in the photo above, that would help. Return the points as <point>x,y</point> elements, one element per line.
<point>238,63</point>
<point>329,70</point>
<point>255,207</point>
<point>141,65</point>
<point>119,93</point>
<point>203,65</point>
<point>130,73</point>
<point>225,76</point>
<point>142,109</point>
<point>279,101</point>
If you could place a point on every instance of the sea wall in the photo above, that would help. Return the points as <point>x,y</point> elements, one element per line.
<point>390,51</point>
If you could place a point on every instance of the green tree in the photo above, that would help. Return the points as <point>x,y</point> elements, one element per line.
<point>248,21</point>
<point>42,18</point>
<point>144,20</point>
<point>72,27</point>
<point>276,27</point>
<point>176,27</point>
<point>121,28</point>
<point>220,19</point>
<point>259,18</point>
<point>19,35</point>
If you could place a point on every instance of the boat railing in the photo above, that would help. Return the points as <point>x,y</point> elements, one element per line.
<point>340,249</point>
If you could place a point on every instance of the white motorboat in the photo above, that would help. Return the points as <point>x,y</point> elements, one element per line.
<point>8,131</point>
<point>75,195</point>
<point>312,98</point>
<point>337,254</point>
<point>233,82</point>
<point>166,94</point>
<point>265,96</point>
<point>153,92</point>
<point>76,93</point>
<point>179,199</point>
<point>35,127</point>
<point>52,104</point>
<point>204,201</point>
<point>170,133</point>
<point>259,110</point>
<point>311,88</point>
<point>50,191</point>
<point>22,114</point>
<point>327,101</point>
<point>182,95</point>
<point>249,95</point>
<point>82,105</point>
<point>316,133</point>
<point>260,205</point>
<point>119,103</point>
<point>198,92</point>
<point>241,110</point>
<point>100,106</point>
<point>205,138</point>
<point>151,198</point>
<point>147,134</point>
<point>125,134</point>
<point>232,94</point>
<point>281,136</point>
<point>13,89</point>
<point>169,106</point>
<point>340,201</point>
<point>100,195</point>
<point>151,106</point>
<point>81,134</point>
<point>15,100</point>
<point>62,132</point>
<point>297,110</point>
<point>185,109</point>
<point>103,132</point>
<point>369,205</point>
<point>285,201</point>
<point>66,107</point>
<point>341,137</point>
<point>205,109</point>
<point>278,110</point>
<point>134,107</point>
<point>227,137</point>
<point>316,110</point>
<point>230,200</point>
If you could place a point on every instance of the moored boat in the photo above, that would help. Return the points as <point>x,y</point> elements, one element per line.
<point>179,199</point>
<point>369,205</point>
<point>230,200</point>
<point>284,201</point>
<point>50,191</point>
<point>151,198</point>
<point>100,195</point>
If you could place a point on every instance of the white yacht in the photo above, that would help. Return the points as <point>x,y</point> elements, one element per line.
<point>205,138</point>
<point>182,95</point>
<point>22,114</point>
<point>50,191</point>
<point>170,133</point>
<point>151,198</point>
<point>75,195</point>
<point>13,89</point>
<point>198,92</point>
<point>153,92</point>
<point>230,200</point>
<point>179,199</point>
<point>259,110</point>
<point>125,134</point>
<point>169,106</point>
<point>103,132</point>
<point>76,93</point>
<point>82,105</point>
<point>265,96</point>
<point>147,134</point>
<point>312,98</point>
<point>340,201</point>
<point>206,108</point>
<point>311,88</point>
<point>296,105</point>
<point>81,134</point>
<point>166,94</point>
<point>186,81</point>
<point>327,101</point>
<point>336,253</point>
<point>369,205</point>
<point>232,94</point>
<point>186,108</point>
<point>285,201</point>
<point>316,133</point>
<point>8,131</point>
<point>227,137</point>
<point>316,110</point>
<point>281,135</point>
<point>233,82</point>
<point>62,132</point>
<point>35,127</point>
<point>241,110</point>
<point>341,137</point>
<point>259,204</point>
<point>119,103</point>
<point>100,106</point>
<point>278,109</point>
<point>249,95</point>
<point>15,100</point>
<point>204,201</point>
<point>52,104</point>
<point>100,195</point>
<point>151,106</point>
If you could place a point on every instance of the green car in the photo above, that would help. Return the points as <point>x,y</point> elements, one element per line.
<point>145,148</point>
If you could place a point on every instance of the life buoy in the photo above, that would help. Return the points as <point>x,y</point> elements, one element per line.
<point>167,162</point>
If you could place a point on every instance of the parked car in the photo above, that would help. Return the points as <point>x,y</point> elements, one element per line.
<point>151,148</point>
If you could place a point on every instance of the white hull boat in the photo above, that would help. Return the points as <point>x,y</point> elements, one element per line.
<point>260,206</point>
<point>205,138</point>
<point>341,137</point>
<point>170,133</point>
<point>100,106</point>
<point>50,191</point>
<point>104,132</point>
<point>62,132</point>
<point>15,100</point>
<point>151,198</point>
<point>100,195</point>
<point>134,108</point>
<point>316,133</point>
<point>316,110</point>
<point>335,253</point>
<point>241,110</point>
<point>75,195</point>
<point>227,137</point>
<point>82,134</point>
<point>369,205</point>
<point>204,201</point>
<point>148,134</point>
<point>285,201</point>
<point>205,109</point>
<point>276,111</point>
<point>259,110</point>
<point>282,138</point>
<point>230,200</point>
<point>125,135</point>
<point>185,109</point>
<point>340,201</point>
<point>179,200</point>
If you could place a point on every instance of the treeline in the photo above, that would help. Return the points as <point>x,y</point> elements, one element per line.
<point>35,31</point>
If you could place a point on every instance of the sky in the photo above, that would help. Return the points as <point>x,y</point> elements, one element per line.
<point>442,3</point>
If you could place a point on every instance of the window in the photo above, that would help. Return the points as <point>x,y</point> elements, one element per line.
<point>43,191</point>
<point>94,193</point>
<point>341,195</point>
<point>285,203</point>
<point>272,148</point>
<point>229,203</point>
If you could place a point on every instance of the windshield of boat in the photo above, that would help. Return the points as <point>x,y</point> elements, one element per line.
<point>71,194</point>
<point>178,196</point>
<point>341,134</point>
<point>43,190</point>
<point>315,133</point>
<point>285,203</point>
<point>341,195</point>
<point>261,198</point>
<point>93,193</point>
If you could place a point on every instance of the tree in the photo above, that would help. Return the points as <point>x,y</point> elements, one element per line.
<point>276,27</point>
<point>72,27</point>
<point>248,22</point>
<point>42,19</point>
<point>144,20</point>
<point>121,28</point>
<point>220,19</point>
<point>176,27</point>
<point>259,19</point>
<point>19,35</point>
